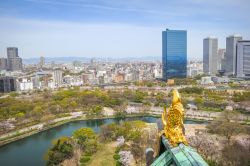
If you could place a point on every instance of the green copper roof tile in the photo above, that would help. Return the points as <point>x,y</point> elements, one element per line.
<point>181,155</point>
<point>163,159</point>
<point>189,157</point>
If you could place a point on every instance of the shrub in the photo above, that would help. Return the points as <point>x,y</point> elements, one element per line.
<point>212,163</point>
<point>117,150</point>
<point>118,163</point>
<point>245,96</point>
<point>191,90</point>
<point>84,159</point>
<point>116,156</point>
<point>13,94</point>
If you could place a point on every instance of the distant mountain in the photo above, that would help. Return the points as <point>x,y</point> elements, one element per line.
<point>85,59</point>
<point>55,59</point>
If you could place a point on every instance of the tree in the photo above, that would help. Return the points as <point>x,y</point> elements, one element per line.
<point>64,103</point>
<point>47,94</point>
<point>199,101</point>
<point>20,115</point>
<point>236,154</point>
<point>160,98</point>
<point>62,149</point>
<point>87,139</point>
<point>97,110</point>
<point>129,130</point>
<point>139,96</point>
<point>120,110</point>
<point>106,134</point>
<point>192,90</point>
<point>73,104</point>
<point>245,96</point>
<point>139,139</point>
<point>184,81</point>
<point>226,125</point>
<point>37,112</point>
<point>205,145</point>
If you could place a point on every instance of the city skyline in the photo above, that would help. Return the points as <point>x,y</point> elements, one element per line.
<point>115,28</point>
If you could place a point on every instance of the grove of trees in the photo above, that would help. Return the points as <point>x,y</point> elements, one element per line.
<point>225,143</point>
<point>62,149</point>
<point>45,105</point>
<point>83,139</point>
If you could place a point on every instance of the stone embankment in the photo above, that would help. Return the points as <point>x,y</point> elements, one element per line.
<point>27,131</point>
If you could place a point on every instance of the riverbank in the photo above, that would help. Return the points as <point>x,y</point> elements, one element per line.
<point>23,133</point>
<point>17,135</point>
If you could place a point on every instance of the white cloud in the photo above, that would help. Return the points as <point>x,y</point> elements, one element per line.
<point>104,7</point>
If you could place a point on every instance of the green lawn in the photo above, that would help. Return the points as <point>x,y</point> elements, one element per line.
<point>104,156</point>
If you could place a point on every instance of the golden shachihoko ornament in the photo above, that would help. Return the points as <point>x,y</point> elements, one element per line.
<point>173,121</point>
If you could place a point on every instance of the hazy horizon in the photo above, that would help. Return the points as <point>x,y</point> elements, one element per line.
<point>115,28</point>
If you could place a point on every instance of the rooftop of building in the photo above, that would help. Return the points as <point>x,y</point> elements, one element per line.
<point>235,35</point>
<point>211,37</point>
<point>174,30</point>
<point>244,41</point>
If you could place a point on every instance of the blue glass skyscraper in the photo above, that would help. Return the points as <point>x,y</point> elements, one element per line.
<point>174,54</point>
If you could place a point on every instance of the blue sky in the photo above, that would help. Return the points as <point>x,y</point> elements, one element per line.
<point>115,28</point>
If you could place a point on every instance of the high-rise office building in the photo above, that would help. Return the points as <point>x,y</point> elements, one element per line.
<point>7,84</point>
<point>174,54</point>
<point>210,55</point>
<point>221,56</point>
<point>14,61</point>
<point>243,59</point>
<point>230,59</point>
<point>3,64</point>
<point>15,64</point>
<point>42,62</point>
<point>57,77</point>
<point>12,52</point>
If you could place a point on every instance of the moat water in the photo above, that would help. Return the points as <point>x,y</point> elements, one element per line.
<point>31,150</point>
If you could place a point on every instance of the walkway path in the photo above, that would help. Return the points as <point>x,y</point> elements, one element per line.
<point>35,127</point>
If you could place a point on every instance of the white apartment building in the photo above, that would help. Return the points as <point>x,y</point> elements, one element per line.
<point>25,85</point>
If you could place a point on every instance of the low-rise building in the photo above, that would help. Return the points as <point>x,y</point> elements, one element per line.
<point>206,81</point>
<point>25,85</point>
<point>119,77</point>
<point>220,79</point>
